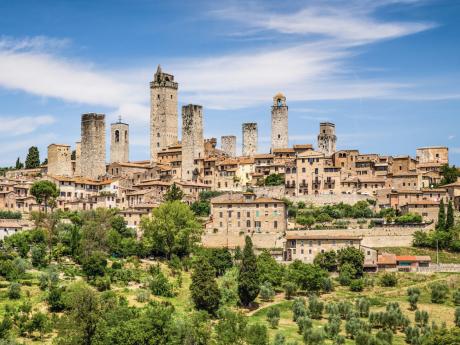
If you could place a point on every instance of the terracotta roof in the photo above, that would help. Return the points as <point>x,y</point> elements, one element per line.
<point>238,198</point>
<point>10,223</point>
<point>406,258</point>
<point>386,259</point>
<point>264,156</point>
<point>303,146</point>
<point>286,150</point>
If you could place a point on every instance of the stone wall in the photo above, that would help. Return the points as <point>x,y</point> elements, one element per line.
<point>228,145</point>
<point>435,154</point>
<point>163,113</point>
<point>119,142</point>
<point>59,160</point>
<point>280,134</point>
<point>77,171</point>
<point>250,137</point>
<point>93,145</point>
<point>192,140</point>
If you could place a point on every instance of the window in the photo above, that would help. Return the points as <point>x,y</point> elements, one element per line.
<point>117,136</point>
<point>238,215</point>
<point>309,251</point>
<point>221,214</point>
<point>275,224</point>
<point>248,223</point>
<point>248,214</point>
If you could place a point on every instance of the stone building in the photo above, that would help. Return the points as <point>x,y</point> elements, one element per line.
<point>327,138</point>
<point>228,145</point>
<point>163,113</point>
<point>77,163</point>
<point>280,135</point>
<point>192,141</point>
<point>119,142</point>
<point>433,154</point>
<point>59,160</point>
<point>93,145</point>
<point>250,138</point>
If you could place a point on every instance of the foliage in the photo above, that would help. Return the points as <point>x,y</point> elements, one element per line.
<point>362,307</point>
<point>273,316</point>
<point>266,291</point>
<point>172,229</point>
<point>409,218</point>
<point>353,256</point>
<point>6,214</point>
<point>248,277</point>
<point>315,307</point>
<point>95,264</point>
<point>204,290</point>
<point>306,276</point>
<point>388,279</point>
<point>274,180</point>
<point>257,334</point>
<point>159,284</point>
<point>441,225</point>
<point>413,295</point>
<point>357,285</point>
<point>347,274</point>
<point>174,193</point>
<point>439,291</point>
<point>33,158</point>
<point>228,287</point>
<point>327,260</point>
<point>269,269</point>
<point>14,291</point>
<point>44,191</point>
<point>449,174</point>
<point>450,221</point>
<point>290,289</point>
<point>231,328</point>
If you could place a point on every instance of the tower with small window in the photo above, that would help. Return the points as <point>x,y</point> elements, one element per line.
<point>163,113</point>
<point>119,142</point>
<point>280,136</point>
<point>326,138</point>
<point>192,142</point>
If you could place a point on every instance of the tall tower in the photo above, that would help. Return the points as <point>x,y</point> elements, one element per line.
<point>77,171</point>
<point>192,140</point>
<point>327,138</point>
<point>228,145</point>
<point>119,142</point>
<point>59,160</point>
<point>279,122</point>
<point>163,112</point>
<point>92,146</point>
<point>249,139</point>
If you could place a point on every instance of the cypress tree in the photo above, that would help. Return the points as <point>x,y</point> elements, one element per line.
<point>33,158</point>
<point>248,277</point>
<point>441,216</point>
<point>204,290</point>
<point>19,165</point>
<point>450,216</point>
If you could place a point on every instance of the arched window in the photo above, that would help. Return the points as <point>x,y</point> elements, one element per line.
<point>117,136</point>
<point>126,136</point>
<point>280,103</point>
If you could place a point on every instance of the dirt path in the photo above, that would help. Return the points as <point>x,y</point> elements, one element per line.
<point>278,299</point>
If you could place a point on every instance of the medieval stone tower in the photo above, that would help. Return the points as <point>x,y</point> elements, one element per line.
<point>59,160</point>
<point>163,112</point>
<point>192,141</point>
<point>279,122</point>
<point>249,139</point>
<point>327,138</point>
<point>228,145</point>
<point>92,145</point>
<point>119,142</point>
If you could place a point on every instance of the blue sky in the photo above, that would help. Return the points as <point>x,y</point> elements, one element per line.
<point>386,72</point>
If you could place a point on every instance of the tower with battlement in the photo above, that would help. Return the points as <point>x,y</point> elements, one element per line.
<point>192,141</point>
<point>59,160</point>
<point>119,142</point>
<point>250,138</point>
<point>280,137</point>
<point>163,113</point>
<point>228,145</point>
<point>327,138</point>
<point>92,146</point>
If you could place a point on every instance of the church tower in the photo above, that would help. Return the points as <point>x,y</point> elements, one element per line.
<point>163,112</point>
<point>280,136</point>
<point>119,142</point>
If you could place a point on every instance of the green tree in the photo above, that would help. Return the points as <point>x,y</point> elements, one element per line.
<point>273,316</point>
<point>14,291</point>
<point>231,328</point>
<point>457,316</point>
<point>304,220</point>
<point>439,291</point>
<point>44,191</point>
<point>327,260</point>
<point>33,158</point>
<point>18,165</point>
<point>95,264</point>
<point>449,174</point>
<point>269,269</point>
<point>257,334</point>
<point>306,276</point>
<point>248,277</point>
<point>353,256</point>
<point>450,221</point>
<point>172,229</point>
<point>441,225</point>
<point>204,290</point>
<point>174,193</point>
<point>274,180</point>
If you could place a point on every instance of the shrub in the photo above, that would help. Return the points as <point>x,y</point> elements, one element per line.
<point>347,274</point>
<point>299,308</point>
<point>313,336</point>
<point>290,289</point>
<point>327,285</point>
<point>357,285</point>
<point>273,316</point>
<point>421,318</point>
<point>439,291</point>
<point>332,328</point>
<point>102,283</point>
<point>257,335</point>
<point>266,292</point>
<point>457,316</point>
<point>413,300</point>
<point>362,307</point>
<point>315,307</point>
<point>345,310</point>
<point>117,265</point>
<point>304,323</point>
<point>14,291</point>
<point>456,297</point>
<point>143,296</point>
<point>160,286</point>
<point>388,280</point>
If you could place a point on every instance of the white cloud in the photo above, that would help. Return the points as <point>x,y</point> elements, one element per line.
<point>13,126</point>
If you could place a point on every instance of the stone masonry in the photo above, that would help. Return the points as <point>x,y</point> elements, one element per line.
<point>163,113</point>
<point>327,138</point>
<point>228,145</point>
<point>59,160</point>
<point>93,145</point>
<point>249,139</point>
<point>280,135</point>
<point>192,140</point>
<point>77,171</point>
<point>119,142</point>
